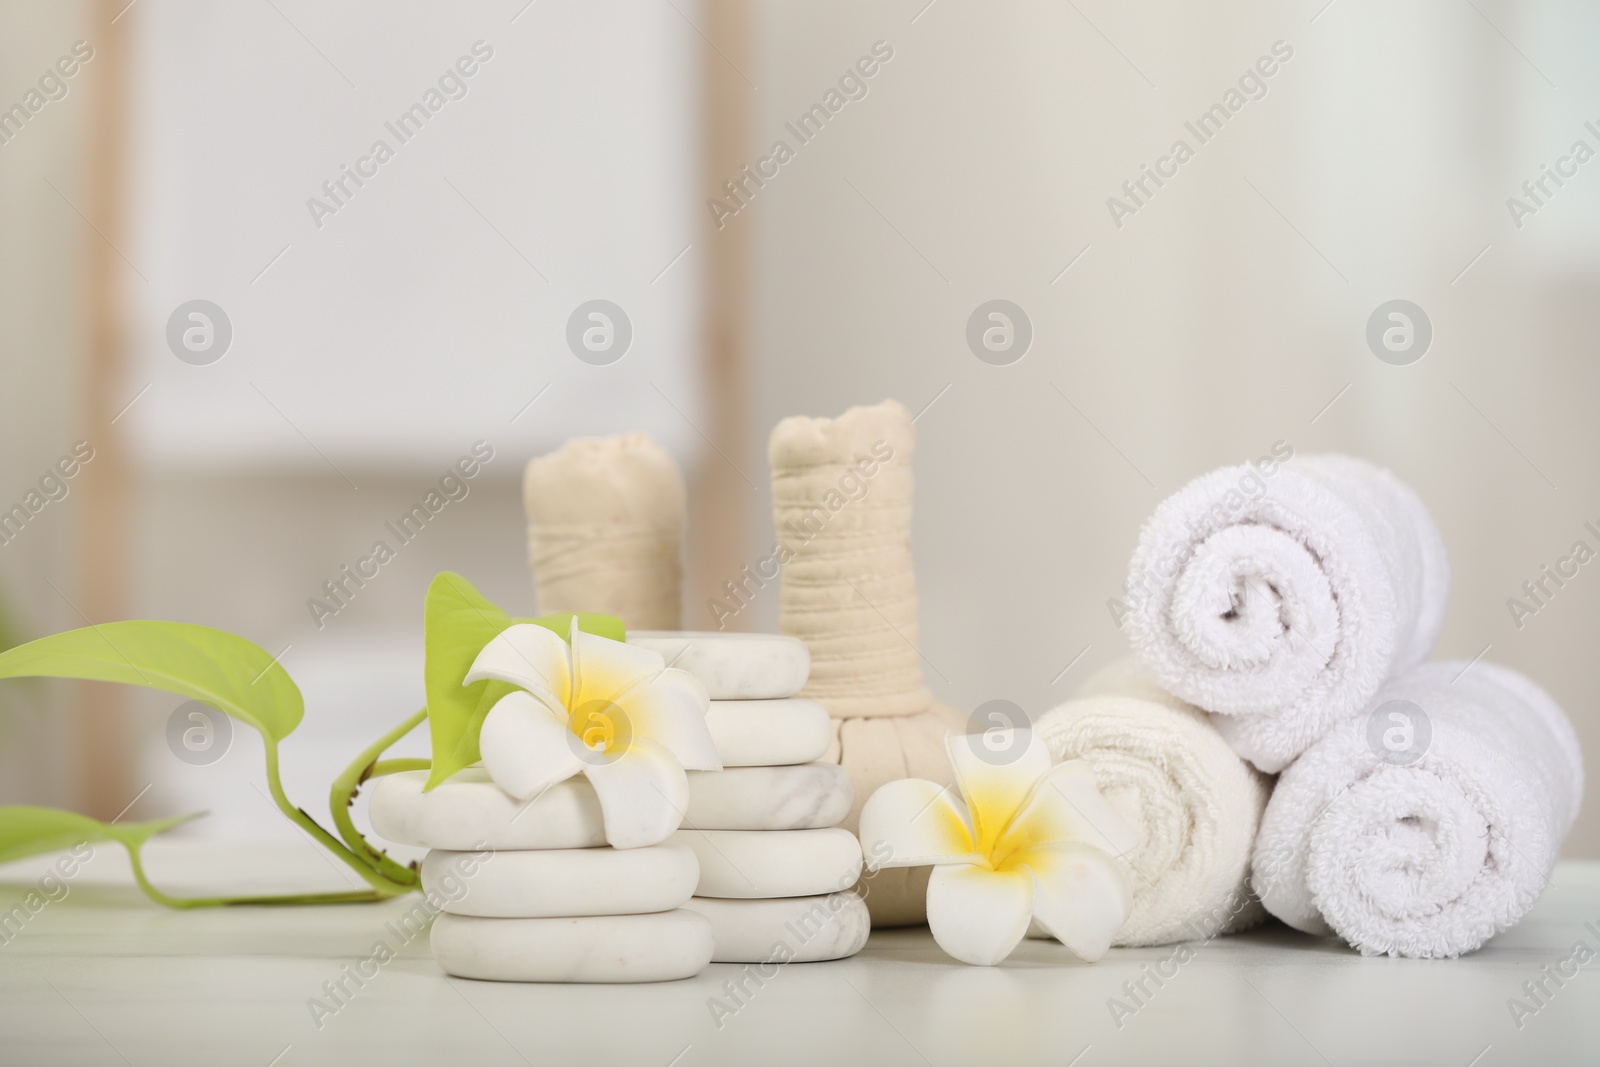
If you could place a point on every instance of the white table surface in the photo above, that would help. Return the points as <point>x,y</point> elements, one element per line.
<point>105,977</point>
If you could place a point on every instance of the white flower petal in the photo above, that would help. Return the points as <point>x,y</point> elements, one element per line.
<point>1066,805</point>
<point>996,771</point>
<point>978,915</point>
<point>911,822</point>
<point>1079,895</point>
<point>670,708</point>
<point>525,748</point>
<point>643,794</point>
<point>603,669</point>
<point>529,657</point>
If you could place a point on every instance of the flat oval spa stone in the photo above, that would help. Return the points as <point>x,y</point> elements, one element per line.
<point>733,666</point>
<point>786,929</point>
<point>562,882</point>
<point>606,948</point>
<point>746,864</point>
<point>468,811</point>
<point>803,797</point>
<point>769,733</point>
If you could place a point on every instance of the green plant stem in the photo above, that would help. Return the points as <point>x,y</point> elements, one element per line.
<point>388,878</point>
<point>357,896</point>
<point>395,766</point>
<point>384,885</point>
<point>342,794</point>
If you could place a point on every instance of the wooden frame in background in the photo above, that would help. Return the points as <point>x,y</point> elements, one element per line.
<point>106,780</point>
<point>718,508</point>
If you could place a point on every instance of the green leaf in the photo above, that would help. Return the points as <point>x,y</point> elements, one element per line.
<point>458,621</point>
<point>231,674</point>
<point>29,831</point>
<point>227,672</point>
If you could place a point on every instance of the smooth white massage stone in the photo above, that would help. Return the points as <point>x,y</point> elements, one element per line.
<point>734,666</point>
<point>796,929</point>
<point>606,948</point>
<point>803,797</point>
<point>562,881</point>
<point>467,812</point>
<point>773,863</point>
<point>769,733</point>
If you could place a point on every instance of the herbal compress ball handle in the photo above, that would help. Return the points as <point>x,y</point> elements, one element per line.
<point>605,530</point>
<point>841,508</point>
<point>841,505</point>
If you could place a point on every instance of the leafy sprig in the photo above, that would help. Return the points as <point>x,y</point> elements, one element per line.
<point>242,679</point>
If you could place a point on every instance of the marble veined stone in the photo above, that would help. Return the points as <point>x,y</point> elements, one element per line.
<point>769,733</point>
<point>468,812</point>
<point>786,929</point>
<point>773,863</point>
<point>734,666</point>
<point>563,881</point>
<point>804,797</point>
<point>606,948</point>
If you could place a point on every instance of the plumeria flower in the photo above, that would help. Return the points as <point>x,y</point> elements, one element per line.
<point>614,712</point>
<point>1024,841</point>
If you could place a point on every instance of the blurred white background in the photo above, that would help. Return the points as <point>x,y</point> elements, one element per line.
<point>1228,313</point>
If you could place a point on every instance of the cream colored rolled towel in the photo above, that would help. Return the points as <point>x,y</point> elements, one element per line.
<point>605,530</point>
<point>1194,804</point>
<point>841,507</point>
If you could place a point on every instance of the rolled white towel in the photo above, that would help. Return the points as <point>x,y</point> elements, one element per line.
<point>1424,834</point>
<point>1193,803</point>
<point>1280,596</point>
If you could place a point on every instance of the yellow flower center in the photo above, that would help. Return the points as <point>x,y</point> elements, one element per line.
<point>601,726</point>
<point>990,822</point>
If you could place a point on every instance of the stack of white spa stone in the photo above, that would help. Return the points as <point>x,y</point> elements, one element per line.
<point>776,869</point>
<point>552,902</point>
